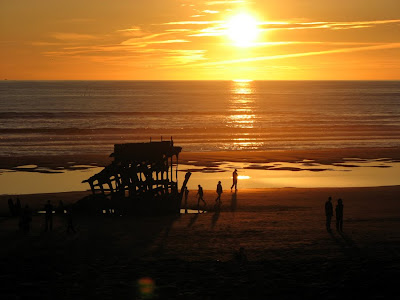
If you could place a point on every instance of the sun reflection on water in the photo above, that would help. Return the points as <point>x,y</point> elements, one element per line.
<point>241,107</point>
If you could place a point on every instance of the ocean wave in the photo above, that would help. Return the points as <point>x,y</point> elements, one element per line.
<point>258,112</point>
<point>308,130</point>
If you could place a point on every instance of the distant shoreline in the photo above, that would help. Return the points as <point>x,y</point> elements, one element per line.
<point>201,80</point>
<point>318,168</point>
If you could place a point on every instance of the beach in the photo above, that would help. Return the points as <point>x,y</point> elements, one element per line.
<point>342,167</point>
<point>294,144</point>
<point>282,230</point>
<point>290,253</point>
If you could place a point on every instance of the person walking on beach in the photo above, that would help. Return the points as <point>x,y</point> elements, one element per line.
<point>200,198</point>
<point>339,215</point>
<point>186,198</point>
<point>219,192</point>
<point>234,178</point>
<point>48,216</point>
<point>328,213</point>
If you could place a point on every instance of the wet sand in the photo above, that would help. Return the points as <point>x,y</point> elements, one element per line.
<point>290,253</point>
<point>323,156</point>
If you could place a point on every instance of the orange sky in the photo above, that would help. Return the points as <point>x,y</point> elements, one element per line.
<point>187,39</point>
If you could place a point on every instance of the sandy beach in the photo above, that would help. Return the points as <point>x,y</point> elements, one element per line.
<point>192,256</point>
<point>290,253</point>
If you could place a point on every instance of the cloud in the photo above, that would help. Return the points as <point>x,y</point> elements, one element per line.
<point>207,11</point>
<point>124,55</point>
<point>182,57</point>
<point>41,43</point>
<point>324,25</point>
<point>192,22</point>
<point>64,36</point>
<point>213,28</point>
<point>227,2</point>
<point>178,30</point>
<point>168,42</point>
<point>267,44</point>
<point>146,43</point>
<point>134,31</point>
<point>156,38</point>
<point>302,54</point>
<point>209,31</point>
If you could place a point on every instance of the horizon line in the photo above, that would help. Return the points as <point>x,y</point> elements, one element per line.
<point>249,80</point>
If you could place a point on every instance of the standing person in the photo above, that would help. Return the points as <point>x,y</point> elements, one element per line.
<point>219,192</point>
<point>200,198</point>
<point>186,198</point>
<point>11,207</point>
<point>17,207</point>
<point>328,213</point>
<point>48,216</point>
<point>339,215</point>
<point>234,178</point>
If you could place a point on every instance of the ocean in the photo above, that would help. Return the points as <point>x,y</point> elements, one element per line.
<point>75,117</point>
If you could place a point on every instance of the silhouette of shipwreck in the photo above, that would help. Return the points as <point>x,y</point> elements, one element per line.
<point>142,179</point>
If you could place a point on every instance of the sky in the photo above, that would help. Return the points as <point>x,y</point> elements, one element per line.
<point>200,40</point>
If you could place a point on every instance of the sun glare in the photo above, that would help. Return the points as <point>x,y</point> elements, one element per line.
<point>242,80</point>
<point>242,30</point>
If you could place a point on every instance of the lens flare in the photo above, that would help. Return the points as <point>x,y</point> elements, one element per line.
<point>146,287</point>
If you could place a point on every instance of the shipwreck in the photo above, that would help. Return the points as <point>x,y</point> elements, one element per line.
<point>142,179</point>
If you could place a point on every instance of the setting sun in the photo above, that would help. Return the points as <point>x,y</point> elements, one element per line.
<point>242,29</point>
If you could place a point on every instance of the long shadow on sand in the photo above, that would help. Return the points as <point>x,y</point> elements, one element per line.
<point>163,238</point>
<point>234,201</point>
<point>348,246</point>
<point>193,220</point>
<point>215,217</point>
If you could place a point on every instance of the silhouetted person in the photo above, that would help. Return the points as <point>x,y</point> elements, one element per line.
<point>17,207</point>
<point>241,257</point>
<point>48,217</point>
<point>26,219</point>
<point>219,193</point>
<point>70,224</point>
<point>186,198</point>
<point>234,178</point>
<point>328,213</point>
<point>200,197</point>
<point>339,215</point>
<point>11,207</point>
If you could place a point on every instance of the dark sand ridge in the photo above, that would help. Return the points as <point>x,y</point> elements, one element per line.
<point>282,230</point>
<point>212,159</point>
